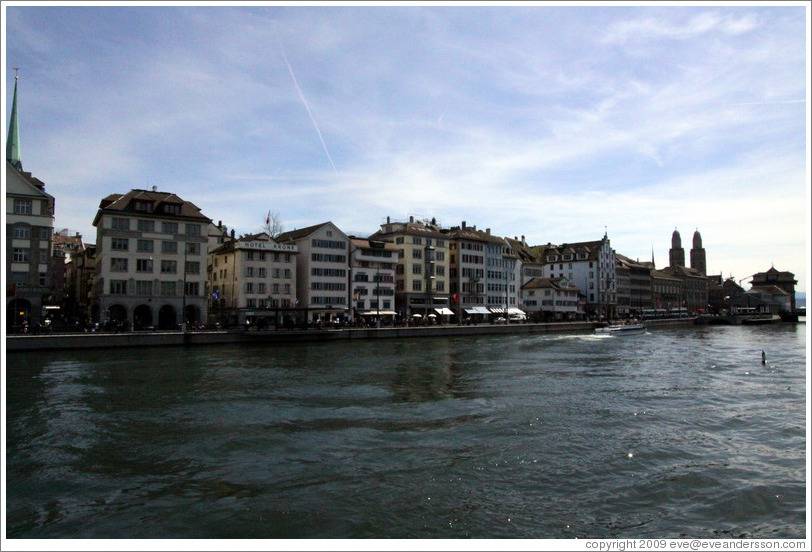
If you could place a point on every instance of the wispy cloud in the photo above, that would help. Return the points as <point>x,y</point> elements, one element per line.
<point>549,122</point>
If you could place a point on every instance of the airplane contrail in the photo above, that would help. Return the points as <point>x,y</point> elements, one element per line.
<point>307,107</point>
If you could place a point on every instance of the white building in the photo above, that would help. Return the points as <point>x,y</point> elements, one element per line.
<point>29,233</point>
<point>252,282</point>
<point>589,266</point>
<point>550,300</point>
<point>151,260</point>
<point>322,268</point>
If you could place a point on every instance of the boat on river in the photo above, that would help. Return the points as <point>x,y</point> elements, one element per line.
<point>621,329</point>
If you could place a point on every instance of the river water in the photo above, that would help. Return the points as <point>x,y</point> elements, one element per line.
<point>674,433</point>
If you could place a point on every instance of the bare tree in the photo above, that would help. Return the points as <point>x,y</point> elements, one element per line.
<point>273,225</point>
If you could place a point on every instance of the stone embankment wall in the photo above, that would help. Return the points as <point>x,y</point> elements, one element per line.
<point>163,339</point>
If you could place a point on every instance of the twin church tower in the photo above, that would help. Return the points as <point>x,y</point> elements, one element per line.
<point>676,255</point>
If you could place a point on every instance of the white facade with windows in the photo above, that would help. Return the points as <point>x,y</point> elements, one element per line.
<point>151,252</point>
<point>29,241</point>
<point>322,268</point>
<point>252,280</point>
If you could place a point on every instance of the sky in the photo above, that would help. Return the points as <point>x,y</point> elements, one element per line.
<point>555,122</point>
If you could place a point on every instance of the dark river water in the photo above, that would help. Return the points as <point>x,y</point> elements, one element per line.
<point>676,433</point>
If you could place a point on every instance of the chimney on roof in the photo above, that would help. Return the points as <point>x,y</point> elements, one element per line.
<point>387,220</point>
<point>488,231</point>
<point>219,224</point>
<point>463,225</point>
<point>411,219</point>
<point>232,233</point>
<point>155,188</point>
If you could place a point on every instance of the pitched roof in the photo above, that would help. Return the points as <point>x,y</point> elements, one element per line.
<point>126,203</point>
<point>300,233</point>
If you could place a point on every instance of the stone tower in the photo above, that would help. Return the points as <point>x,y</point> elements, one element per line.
<point>698,255</point>
<point>676,255</point>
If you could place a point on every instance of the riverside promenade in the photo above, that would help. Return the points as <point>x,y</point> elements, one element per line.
<point>107,340</point>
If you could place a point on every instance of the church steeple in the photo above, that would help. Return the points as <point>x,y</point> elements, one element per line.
<point>13,140</point>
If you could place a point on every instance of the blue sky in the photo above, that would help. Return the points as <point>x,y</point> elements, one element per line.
<point>552,122</point>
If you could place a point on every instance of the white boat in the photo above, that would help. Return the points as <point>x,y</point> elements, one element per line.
<point>621,329</point>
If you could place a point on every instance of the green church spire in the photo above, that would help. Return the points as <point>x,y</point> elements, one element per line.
<point>13,140</point>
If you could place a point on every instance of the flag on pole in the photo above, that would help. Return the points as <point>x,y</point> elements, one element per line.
<point>268,220</point>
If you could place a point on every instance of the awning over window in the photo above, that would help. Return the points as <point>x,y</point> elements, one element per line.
<point>513,310</point>
<point>375,313</point>
<point>444,311</point>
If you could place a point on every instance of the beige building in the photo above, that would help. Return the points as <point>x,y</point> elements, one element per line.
<point>372,273</point>
<point>251,282</point>
<point>151,261</point>
<point>421,275</point>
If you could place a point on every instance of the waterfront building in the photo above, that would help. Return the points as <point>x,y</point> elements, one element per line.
<point>720,293</point>
<point>591,267</point>
<point>784,280</point>
<point>151,259</point>
<point>29,238</point>
<point>478,274</point>
<point>217,235</point>
<point>551,300</point>
<point>421,274</point>
<point>676,255</point>
<point>372,273</point>
<point>252,282</point>
<point>698,261</point>
<point>633,286</point>
<point>65,246</point>
<point>81,273</point>
<point>691,292</point>
<point>322,271</point>
<point>665,290</point>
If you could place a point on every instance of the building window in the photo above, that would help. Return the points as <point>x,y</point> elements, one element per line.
<point>146,225</point>
<point>120,244</point>
<point>169,227</point>
<point>171,208</point>
<point>119,223</point>
<point>169,247</point>
<point>45,233</point>
<point>144,206</point>
<point>192,248</point>
<point>118,287</point>
<point>169,267</point>
<point>192,289</point>
<point>118,265</point>
<point>143,287</point>
<point>143,265</point>
<point>249,287</point>
<point>22,206</point>
<point>417,285</point>
<point>22,232</point>
<point>145,246</point>
<point>192,229</point>
<point>192,267</point>
<point>20,255</point>
<point>169,289</point>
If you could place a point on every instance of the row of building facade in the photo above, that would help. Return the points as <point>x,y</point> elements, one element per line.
<point>159,262</point>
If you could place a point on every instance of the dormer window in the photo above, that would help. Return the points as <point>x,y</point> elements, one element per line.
<point>568,257</point>
<point>143,206</point>
<point>171,208</point>
<point>552,258</point>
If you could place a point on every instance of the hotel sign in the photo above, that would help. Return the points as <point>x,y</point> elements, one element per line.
<point>268,246</point>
